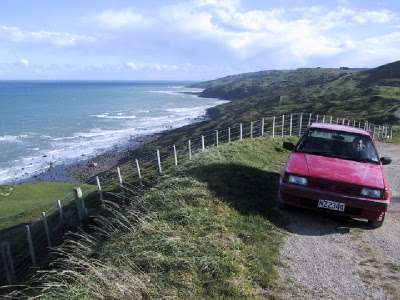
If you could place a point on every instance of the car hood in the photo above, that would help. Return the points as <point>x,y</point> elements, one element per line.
<point>336,169</point>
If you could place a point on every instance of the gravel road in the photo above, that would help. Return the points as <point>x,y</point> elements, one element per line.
<point>332,257</point>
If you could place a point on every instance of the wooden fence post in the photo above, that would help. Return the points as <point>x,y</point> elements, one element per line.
<point>229,134</point>
<point>283,125</point>
<point>100,190</point>
<point>241,132</point>
<point>391,133</point>
<point>343,121</point>
<point>251,129</point>
<point>216,138</point>
<point>175,156</point>
<point>159,162</point>
<point>119,176</point>
<point>79,202</point>
<point>262,126</point>
<point>46,228</point>
<point>291,125</point>
<point>273,127</point>
<point>203,146</point>
<point>309,120</point>
<point>316,121</point>
<point>60,211</point>
<point>337,120</point>
<point>138,169</point>
<point>348,122</point>
<point>300,123</point>
<point>323,119</point>
<point>8,262</point>
<point>30,244</point>
<point>331,119</point>
<point>190,149</point>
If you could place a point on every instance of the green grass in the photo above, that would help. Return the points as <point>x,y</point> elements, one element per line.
<point>208,230</point>
<point>25,202</point>
<point>396,135</point>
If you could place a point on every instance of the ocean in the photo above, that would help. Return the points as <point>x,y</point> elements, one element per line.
<point>61,122</point>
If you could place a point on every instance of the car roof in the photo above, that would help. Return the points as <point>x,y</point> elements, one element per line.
<point>340,128</point>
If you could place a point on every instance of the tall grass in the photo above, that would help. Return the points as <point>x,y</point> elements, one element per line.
<point>208,230</point>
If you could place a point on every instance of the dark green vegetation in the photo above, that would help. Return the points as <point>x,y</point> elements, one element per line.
<point>367,94</point>
<point>24,203</point>
<point>209,229</point>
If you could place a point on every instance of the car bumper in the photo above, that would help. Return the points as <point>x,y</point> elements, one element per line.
<point>355,207</point>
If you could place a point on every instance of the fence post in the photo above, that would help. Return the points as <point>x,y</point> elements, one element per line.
<point>216,138</point>
<point>46,228</point>
<point>138,169</point>
<point>343,121</point>
<point>229,134</point>
<point>99,189</point>
<point>348,122</point>
<point>291,125</point>
<point>30,244</point>
<point>119,176</point>
<point>273,127</point>
<point>354,123</point>
<point>8,262</point>
<point>317,119</point>
<point>251,129</point>
<point>175,156</point>
<point>79,202</point>
<point>283,125</point>
<point>391,133</point>
<point>241,132</point>
<point>190,149</point>
<point>323,119</point>
<point>159,162</point>
<point>262,126</point>
<point>203,147</point>
<point>300,123</point>
<point>309,120</point>
<point>331,119</point>
<point>337,120</point>
<point>60,211</point>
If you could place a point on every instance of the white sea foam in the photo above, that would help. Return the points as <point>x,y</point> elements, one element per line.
<point>12,138</point>
<point>86,144</point>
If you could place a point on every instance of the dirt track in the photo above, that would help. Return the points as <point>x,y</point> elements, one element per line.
<point>339,258</point>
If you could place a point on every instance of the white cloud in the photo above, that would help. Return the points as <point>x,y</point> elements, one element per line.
<point>116,19</point>
<point>59,39</point>
<point>24,62</point>
<point>300,33</point>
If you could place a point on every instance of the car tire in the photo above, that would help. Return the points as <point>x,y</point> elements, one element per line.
<point>376,223</point>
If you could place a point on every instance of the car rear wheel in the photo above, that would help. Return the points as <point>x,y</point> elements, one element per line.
<point>376,223</point>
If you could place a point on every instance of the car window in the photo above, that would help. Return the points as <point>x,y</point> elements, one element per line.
<point>338,144</point>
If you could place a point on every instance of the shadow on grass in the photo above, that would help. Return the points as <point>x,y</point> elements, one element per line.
<point>247,189</point>
<point>254,191</point>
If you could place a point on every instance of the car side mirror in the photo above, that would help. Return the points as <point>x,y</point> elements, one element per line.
<point>386,160</point>
<point>289,146</point>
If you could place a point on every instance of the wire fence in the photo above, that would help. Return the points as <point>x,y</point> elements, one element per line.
<point>26,247</point>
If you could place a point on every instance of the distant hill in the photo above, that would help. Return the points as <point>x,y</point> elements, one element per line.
<point>372,94</point>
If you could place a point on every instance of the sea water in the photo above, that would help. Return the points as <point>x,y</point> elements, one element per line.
<point>61,122</point>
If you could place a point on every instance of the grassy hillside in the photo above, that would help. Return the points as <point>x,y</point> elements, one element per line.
<point>367,94</point>
<point>209,230</point>
<point>23,203</point>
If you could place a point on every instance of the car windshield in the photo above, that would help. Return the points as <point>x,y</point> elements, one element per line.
<point>338,144</point>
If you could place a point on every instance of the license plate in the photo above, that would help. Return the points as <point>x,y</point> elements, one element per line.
<point>332,205</point>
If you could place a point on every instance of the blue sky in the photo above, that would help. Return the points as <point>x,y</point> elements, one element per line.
<point>193,39</point>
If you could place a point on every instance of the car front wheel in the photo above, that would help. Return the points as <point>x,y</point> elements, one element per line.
<point>376,223</point>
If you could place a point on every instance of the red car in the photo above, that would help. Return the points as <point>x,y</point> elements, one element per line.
<point>336,168</point>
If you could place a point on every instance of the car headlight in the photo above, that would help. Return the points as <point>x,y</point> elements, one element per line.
<point>371,193</point>
<point>297,180</point>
